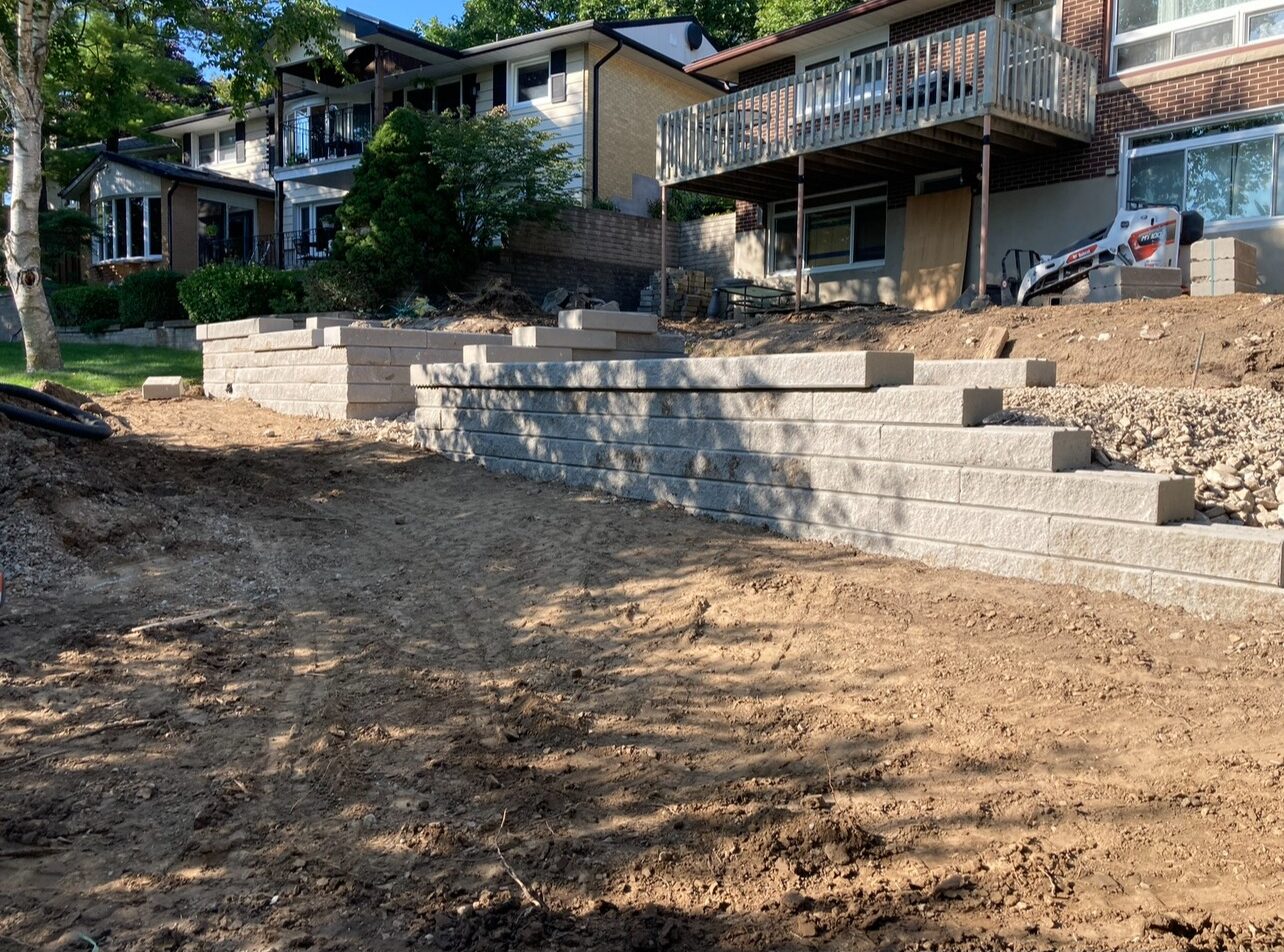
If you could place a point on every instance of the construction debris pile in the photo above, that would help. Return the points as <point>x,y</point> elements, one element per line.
<point>1231,441</point>
<point>688,295</point>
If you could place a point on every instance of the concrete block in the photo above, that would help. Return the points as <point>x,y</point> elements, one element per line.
<point>162,388</point>
<point>1134,277</point>
<point>1223,269</point>
<point>286,340</point>
<point>245,328</point>
<point>400,337</point>
<point>1209,249</point>
<point>633,322</point>
<point>700,405</point>
<point>1221,288</point>
<point>945,406</point>
<point>333,319</point>
<point>651,343</point>
<point>843,370</point>
<point>396,375</point>
<point>371,356</point>
<point>433,355</point>
<point>507,354</point>
<point>1007,373</point>
<point>1218,598</point>
<point>227,345</point>
<point>1042,449</point>
<point>1228,552</point>
<point>563,337</point>
<point>1104,494</point>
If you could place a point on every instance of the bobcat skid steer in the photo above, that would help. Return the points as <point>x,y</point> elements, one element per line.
<point>1145,237</point>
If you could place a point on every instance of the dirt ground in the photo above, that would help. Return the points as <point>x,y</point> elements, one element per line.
<point>1148,343</point>
<point>268,683</point>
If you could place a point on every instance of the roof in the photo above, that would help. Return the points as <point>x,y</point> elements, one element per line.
<point>365,26</point>
<point>166,170</point>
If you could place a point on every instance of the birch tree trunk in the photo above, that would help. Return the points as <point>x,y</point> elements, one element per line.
<point>20,88</point>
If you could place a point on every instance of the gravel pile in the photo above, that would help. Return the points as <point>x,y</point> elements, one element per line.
<point>1231,441</point>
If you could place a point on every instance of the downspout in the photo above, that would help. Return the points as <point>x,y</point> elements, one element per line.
<point>169,220</point>
<point>597,85</point>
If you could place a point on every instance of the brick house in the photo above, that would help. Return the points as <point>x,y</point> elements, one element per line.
<point>595,86</point>
<point>1089,104</point>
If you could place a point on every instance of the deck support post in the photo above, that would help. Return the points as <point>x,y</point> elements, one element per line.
<point>664,250</point>
<point>377,117</point>
<point>798,241</point>
<point>982,255</point>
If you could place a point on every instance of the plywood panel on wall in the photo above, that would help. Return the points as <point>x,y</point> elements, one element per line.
<point>936,229</point>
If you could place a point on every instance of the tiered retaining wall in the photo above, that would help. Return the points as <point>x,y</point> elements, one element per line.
<point>843,448</point>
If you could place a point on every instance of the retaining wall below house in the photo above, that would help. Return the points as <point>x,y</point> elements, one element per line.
<point>173,335</point>
<point>844,448</point>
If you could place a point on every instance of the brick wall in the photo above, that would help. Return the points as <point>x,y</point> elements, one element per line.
<point>708,245</point>
<point>766,72</point>
<point>962,12</point>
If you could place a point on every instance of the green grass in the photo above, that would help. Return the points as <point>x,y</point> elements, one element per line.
<point>103,369</point>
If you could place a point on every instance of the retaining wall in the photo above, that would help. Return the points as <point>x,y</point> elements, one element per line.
<point>842,447</point>
<point>174,335</point>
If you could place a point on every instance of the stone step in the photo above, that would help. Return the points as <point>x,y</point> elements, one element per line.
<point>633,322</point>
<point>508,354</point>
<point>563,337</point>
<point>1007,373</point>
<point>252,325</point>
<point>403,338</point>
<point>286,340</point>
<point>845,370</point>
<point>162,388</point>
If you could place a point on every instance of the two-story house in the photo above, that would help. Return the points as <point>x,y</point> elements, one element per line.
<point>1055,113</point>
<point>266,186</point>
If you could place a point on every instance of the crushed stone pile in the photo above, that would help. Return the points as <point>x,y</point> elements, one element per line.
<point>1231,441</point>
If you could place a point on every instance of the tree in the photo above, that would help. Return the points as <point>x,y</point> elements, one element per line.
<point>777,15</point>
<point>242,38</point>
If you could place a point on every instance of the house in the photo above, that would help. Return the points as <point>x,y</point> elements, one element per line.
<point>595,86</point>
<point>1054,112</point>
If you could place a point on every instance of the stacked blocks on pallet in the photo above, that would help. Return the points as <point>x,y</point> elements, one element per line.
<point>1222,266</point>
<point>842,447</point>
<point>328,368</point>
<point>1123,284</point>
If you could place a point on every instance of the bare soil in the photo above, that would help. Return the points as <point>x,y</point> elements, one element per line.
<point>269,683</point>
<point>1243,338</point>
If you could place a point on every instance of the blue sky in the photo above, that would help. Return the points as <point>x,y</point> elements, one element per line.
<point>405,12</point>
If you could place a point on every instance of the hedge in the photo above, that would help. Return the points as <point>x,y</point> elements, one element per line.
<point>150,296</point>
<point>230,292</point>
<point>85,303</point>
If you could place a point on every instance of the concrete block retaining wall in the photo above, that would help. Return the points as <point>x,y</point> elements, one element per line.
<point>841,447</point>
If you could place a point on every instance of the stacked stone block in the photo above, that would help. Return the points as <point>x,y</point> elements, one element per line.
<point>1222,266</point>
<point>845,448</point>
<point>584,334</point>
<point>327,368</point>
<point>1118,283</point>
<point>688,294</point>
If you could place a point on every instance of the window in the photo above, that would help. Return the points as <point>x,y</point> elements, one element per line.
<point>448,97</point>
<point>1042,15</point>
<point>1156,31</point>
<point>532,81</point>
<point>227,145</point>
<point>1229,171</point>
<point>840,230</point>
<point>205,149</point>
<point>858,78</point>
<point>129,227</point>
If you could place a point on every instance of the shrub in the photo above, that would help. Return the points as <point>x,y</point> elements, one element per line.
<point>230,292</point>
<point>338,286</point>
<point>150,296</point>
<point>77,306</point>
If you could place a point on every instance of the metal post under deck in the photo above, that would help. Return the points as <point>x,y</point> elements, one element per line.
<point>798,242</point>
<point>664,250</point>
<point>983,252</point>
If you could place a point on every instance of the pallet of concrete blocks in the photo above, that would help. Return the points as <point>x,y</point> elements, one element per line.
<point>1116,283</point>
<point>1222,266</point>
<point>688,295</point>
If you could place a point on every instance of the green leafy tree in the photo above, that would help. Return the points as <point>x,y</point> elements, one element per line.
<point>777,15</point>
<point>240,38</point>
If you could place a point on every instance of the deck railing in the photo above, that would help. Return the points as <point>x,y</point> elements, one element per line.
<point>326,132</point>
<point>988,65</point>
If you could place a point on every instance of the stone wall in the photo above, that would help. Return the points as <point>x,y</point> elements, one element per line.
<point>844,448</point>
<point>708,245</point>
<point>173,335</point>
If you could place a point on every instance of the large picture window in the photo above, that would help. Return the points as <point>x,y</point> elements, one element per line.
<point>840,230</point>
<point>1226,171</point>
<point>532,81</point>
<point>1148,32</point>
<point>128,228</point>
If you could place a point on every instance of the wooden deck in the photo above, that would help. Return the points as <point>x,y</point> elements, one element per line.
<point>916,105</point>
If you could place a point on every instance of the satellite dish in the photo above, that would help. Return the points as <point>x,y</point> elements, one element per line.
<point>695,36</point>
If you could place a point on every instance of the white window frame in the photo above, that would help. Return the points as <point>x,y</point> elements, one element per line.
<point>219,157</point>
<point>196,158</point>
<point>1274,131</point>
<point>1056,15</point>
<point>848,95</point>
<point>1238,14</point>
<point>788,207</point>
<point>518,102</point>
<point>95,252</point>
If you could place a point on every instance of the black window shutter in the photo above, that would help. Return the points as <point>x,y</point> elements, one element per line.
<point>240,142</point>
<point>557,76</point>
<point>469,93</point>
<point>499,92</point>
<point>187,148</point>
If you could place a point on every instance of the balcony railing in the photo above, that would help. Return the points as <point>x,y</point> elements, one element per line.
<point>326,132</point>
<point>297,249</point>
<point>991,65</point>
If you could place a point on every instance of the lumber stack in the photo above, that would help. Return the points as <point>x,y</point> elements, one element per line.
<point>845,448</point>
<point>1221,266</point>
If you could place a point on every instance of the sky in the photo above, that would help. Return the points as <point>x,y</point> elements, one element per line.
<point>405,12</point>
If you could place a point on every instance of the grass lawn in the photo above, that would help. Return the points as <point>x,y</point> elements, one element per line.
<point>103,369</point>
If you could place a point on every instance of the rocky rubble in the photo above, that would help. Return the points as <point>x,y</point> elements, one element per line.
<point>1231,441</point>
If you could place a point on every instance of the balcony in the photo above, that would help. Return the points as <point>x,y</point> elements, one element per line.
<point>324,138</point>
<point>295,250</point>
<point>918,105</point>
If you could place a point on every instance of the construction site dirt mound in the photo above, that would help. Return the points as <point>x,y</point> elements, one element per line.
<point>1148,343</point>
<point>296,687</point>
